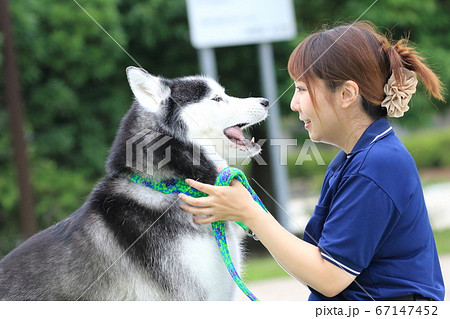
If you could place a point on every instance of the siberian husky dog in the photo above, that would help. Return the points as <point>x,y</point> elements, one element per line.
<point>132,242</point>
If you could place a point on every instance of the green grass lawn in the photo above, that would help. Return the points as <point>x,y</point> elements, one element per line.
<point>265,267</point>
<point>442,238</point>
<point>262,267</point>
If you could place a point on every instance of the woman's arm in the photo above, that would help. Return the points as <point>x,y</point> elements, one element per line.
<point>299,258</point>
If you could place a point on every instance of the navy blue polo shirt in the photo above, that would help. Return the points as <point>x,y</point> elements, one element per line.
<point>371,220</point>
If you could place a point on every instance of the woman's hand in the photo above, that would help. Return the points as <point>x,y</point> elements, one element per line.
<point>228,203</point>
<point>301,259</point>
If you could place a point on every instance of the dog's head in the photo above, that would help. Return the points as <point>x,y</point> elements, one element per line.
<point>197,110</point>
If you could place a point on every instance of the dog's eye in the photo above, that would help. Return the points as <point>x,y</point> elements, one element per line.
<point>217,98</point>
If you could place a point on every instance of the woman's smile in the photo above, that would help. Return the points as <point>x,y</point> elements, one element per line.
<point>307,123</point>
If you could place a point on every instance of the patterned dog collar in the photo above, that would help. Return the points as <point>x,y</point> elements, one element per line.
<point>170,186</point>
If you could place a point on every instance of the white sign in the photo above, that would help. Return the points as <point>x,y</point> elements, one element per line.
<point>219,23</point>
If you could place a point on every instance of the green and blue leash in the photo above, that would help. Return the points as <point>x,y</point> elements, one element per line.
<point>224,178</point>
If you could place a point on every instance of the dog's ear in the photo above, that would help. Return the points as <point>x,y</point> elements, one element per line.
<point>149,90</point>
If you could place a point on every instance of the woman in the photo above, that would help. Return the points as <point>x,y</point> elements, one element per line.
<point>369,237</point>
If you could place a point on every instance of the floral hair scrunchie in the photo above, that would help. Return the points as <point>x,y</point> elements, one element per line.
<point>398,97</point>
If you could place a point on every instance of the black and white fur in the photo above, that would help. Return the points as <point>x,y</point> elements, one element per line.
<point>127,241</point>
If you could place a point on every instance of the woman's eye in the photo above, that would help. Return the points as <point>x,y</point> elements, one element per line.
<point>300,89</point>
<point>217,99</point>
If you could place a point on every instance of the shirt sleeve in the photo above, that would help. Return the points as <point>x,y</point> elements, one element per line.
<point>361,217</point>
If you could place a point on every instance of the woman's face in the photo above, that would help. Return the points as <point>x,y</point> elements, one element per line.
<point>321,122</point>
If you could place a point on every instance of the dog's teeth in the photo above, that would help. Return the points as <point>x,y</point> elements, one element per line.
<point>253,140</point>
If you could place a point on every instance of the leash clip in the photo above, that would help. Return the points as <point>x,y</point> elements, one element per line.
<point>250,233</point>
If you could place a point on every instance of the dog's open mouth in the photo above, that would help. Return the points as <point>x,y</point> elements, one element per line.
<point>236,136</point>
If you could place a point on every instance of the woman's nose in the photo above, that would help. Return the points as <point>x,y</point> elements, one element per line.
<point>295,104</point>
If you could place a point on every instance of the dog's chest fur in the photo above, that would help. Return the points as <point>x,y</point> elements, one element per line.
<point>176,258</point>
<point>209,279</point>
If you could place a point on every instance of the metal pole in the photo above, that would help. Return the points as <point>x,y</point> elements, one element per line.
<point>278,171</point>
<point>208,65</point>
<point>14,103</point>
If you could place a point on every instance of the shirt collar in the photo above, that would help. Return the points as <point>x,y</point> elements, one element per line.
<point>376,131</point>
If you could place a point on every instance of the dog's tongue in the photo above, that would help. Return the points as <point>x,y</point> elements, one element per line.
<point>234,132</point>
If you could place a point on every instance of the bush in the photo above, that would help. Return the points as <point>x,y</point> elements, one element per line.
<point>308,163</point>
<point>430,149</point>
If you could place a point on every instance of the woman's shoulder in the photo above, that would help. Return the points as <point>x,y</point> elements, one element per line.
<point>389,165</point>
<point>387,156</point>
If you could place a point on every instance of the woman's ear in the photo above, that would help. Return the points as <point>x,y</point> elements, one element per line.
<point>349,93</point>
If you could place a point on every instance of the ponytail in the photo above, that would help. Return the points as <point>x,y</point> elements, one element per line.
<point>402,55</point>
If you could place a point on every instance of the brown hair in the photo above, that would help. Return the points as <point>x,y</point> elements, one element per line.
<point>359,53</point>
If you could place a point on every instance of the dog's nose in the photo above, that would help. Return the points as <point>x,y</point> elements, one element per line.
<point>264,102</point>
